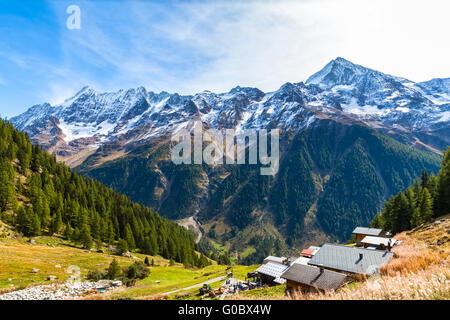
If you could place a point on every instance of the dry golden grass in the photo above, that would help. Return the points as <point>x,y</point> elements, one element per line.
<point>159,296</point>
<point>412,257</point>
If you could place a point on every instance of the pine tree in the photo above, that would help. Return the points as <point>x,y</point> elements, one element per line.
<point>425,206</point>
<point>129,237</point>
<point>76,235</point>
<point>113,271</point>
<point>68,232</point>
<point>122,246</point>
<point>7,192</point>
<point>424,179</point>
<point>443,187</point>
<point>85,237</point>
<point>56,222</point>
<point>35,223</point>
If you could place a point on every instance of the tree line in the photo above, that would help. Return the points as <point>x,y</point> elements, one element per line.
<point>38,196</point>
<point>426,199</point>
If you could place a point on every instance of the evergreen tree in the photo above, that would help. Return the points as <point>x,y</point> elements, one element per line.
<point>68,232</point>
<point>113,271</point>
<point>85,237</point>
<point>7,192</point>
<point>443,187</point>
<point>424,179</point>
<point>56,222</point>
<point>122,246</point>
<point>426,206</point>
<point>35,223</point>
<point>129,237</point>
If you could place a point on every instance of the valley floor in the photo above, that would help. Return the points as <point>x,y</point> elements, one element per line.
<point>24,264</point>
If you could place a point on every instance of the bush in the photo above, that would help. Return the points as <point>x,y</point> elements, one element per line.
<point>138,270</point>
<point>122,247</point>
<point>96,275</point>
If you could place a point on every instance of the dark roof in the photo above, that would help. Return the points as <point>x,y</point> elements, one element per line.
<point>312,276</point>
<point>348,259</point>
<point>367,231</point>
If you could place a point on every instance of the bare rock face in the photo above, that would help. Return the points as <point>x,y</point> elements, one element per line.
<point>341,90</point>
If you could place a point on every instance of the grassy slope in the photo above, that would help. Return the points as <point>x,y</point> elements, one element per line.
<point>18,257</point>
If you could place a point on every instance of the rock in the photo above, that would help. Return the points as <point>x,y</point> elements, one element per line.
<point>58,266</point>
<point>9,279</point>
<point>32,241</point>
<point>34,270</point>
<point>60,291</point>
<point>51,278</point>
<point>116,283</point>
<point>99,251</point>
<point>127,254</point>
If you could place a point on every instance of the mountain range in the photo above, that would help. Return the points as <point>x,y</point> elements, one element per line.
<point>351,137</point>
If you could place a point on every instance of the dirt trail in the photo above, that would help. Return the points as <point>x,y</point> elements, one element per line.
<point>197,285</point>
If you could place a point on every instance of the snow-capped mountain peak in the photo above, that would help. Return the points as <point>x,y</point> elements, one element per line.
<point>340,90</point>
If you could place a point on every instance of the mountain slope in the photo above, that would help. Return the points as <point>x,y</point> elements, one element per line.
<point>345,171</point>
<point>338,163</point>
<point>40,196</point>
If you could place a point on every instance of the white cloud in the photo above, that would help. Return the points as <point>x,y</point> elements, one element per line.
<point>187,47</point>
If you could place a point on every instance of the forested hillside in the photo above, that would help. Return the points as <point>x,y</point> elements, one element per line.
<point>38,196</point>
<point>425,200</point>
<point>337,173</point>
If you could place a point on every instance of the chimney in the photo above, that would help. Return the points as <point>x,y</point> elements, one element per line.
<point>360,256</point>
<point>321,270</point>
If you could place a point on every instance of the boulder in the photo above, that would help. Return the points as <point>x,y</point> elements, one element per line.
<point>116,283</point>
<point>127,254</point>
<point>52,278</point>
<point>34,270</point>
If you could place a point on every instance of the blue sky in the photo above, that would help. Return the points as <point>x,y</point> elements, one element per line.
<point>188,47</point>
